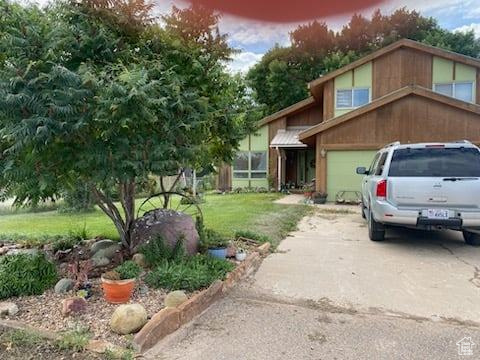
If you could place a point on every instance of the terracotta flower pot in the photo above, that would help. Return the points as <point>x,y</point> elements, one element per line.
<point>118,291</point>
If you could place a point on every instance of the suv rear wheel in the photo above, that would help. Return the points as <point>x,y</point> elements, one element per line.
<point>376,231</point>
<point>472,239</point>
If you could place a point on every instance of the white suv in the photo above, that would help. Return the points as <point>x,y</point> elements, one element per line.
<point>423,186</point>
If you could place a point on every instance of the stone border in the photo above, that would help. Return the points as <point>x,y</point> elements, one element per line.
<point>168,320</point>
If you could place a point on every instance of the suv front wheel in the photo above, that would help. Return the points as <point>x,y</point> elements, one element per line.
<point>376,231</point>
<point>471,238</point>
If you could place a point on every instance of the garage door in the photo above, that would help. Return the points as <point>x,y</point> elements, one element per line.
<point>341,166</point>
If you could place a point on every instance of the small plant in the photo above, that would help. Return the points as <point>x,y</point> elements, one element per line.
<point>64,243</point>
<point>128,270</point>
<point>25,274</point>
<point>111,275</point>
<point>213,239</point>
<point>79,271</point>
<point>252,235</point>
<point>76,340</point>
<point>156,251</point>
<point>83,293</point>
<point>21,338</point>
<point>189,274</point>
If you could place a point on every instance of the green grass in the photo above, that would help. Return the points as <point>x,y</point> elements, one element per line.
<point>223,213</point>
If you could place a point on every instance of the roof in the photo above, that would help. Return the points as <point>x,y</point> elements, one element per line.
<point>396,45</point>
<point>387,99</point>
<point>287,138</point>
<point>288,111</point>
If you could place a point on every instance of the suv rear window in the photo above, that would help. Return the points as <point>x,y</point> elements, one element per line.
<point>435,162</point>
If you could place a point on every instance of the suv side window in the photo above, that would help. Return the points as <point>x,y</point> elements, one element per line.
<point>374,163</point>
<point>381,164</point>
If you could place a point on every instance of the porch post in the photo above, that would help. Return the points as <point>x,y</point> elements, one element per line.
<point>279,169</point>
<point>320,166</point>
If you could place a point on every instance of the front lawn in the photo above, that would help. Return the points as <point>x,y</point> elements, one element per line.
<point>224,213</point>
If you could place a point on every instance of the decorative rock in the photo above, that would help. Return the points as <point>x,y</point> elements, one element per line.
<point>170,225</point>
<point>3,250</point>
<point>8,309</point>
<point>99,261</point>
<point>139,259</point>
<point>128,319</point>
<point>100,245</point>
<point>231,250</point>
<point>175,299</point>
<point>64,285</point>
<point>108,252</point>
<point>73,305</point>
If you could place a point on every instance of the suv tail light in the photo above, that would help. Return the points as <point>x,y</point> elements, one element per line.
<point>382,189</point>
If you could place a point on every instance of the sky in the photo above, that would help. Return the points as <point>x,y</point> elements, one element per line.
<point>254,38</point>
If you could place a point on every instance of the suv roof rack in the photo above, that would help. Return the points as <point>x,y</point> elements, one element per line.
<point>393,144</point>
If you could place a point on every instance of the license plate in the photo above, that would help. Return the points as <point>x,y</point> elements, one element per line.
<point>438,214</point>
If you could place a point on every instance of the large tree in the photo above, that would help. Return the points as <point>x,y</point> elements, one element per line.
<point>83,99</point>
<point>280,78</point>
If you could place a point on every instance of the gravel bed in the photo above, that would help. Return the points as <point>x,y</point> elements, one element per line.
<point>44,311</point>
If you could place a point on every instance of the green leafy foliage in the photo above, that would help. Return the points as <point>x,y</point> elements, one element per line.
<point>156,251</point>
<point>128,270</point>
<point>252,235</point>
<point>190,273</point>
<point>75,340</point>
<point>213,239</point>
<point>24,274</point>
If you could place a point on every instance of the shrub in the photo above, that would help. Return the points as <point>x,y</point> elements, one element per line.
<point>213,239</point>
<point>24,274</point>
<point>252,235</point>
<point>189,273</point>
<point>75,340</point>
<point>128,270</point>
<point>156,251</point>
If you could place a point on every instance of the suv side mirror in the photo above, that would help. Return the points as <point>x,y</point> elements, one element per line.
<point>362,171</point>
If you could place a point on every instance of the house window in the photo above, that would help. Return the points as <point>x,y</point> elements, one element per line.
<point>250,165</point>
<point>352,98</point>
<point>458,90</point>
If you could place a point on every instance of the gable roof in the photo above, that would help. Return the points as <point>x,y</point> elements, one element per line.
<point>387,99</point>
<point>288,110</point>
<point>406,43</point>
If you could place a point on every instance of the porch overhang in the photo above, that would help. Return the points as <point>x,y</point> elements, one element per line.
<point>288,138</point>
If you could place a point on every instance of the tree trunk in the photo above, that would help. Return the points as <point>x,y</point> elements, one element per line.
<point>127,199</point>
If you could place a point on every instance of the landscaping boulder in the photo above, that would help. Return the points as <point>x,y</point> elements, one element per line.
<point>105,248</point>
<point>128,319</point>
<point>139,259</point>
<point>170,225</point>
<point>8,309</point>
<point>73,306</point>
<point>175,299</point>
<point>99,261</point>
<point>64,285</point>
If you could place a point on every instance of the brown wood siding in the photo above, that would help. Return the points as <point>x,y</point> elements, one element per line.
<point>328,100</point>
<point>400,68</point>
<point>273,127</point>
<point>224,178</point>
<point>410,119</point>
<point>308,117</point>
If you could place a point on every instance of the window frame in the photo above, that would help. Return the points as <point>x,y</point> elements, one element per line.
<point>352,91</point>
<point>454,83</point>
<point>249,171</point>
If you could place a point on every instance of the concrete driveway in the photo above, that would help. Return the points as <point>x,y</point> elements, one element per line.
<point>329,292</point>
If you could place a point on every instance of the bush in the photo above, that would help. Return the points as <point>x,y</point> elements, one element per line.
<point>156,251</point>
<point>128,270</point>
<point>25,275</point>
<point>252,235</point>
<point>213,239</point>
<point>189,273</point>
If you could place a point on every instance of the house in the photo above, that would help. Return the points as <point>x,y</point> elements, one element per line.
<point>407,91</point>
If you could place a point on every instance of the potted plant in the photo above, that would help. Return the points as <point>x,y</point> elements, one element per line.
<point>307,191</point>
<point>319,197</point>
<point>118,284</point>
<point>215,244</point>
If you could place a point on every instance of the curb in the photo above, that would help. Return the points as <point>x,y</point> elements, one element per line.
<point>168,320</point>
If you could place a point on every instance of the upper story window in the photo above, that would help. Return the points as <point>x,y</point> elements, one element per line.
<point>352,98</point>
<point>458,90</point>
<point>250,165</point>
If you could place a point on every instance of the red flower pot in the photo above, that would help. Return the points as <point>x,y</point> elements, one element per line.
<point>118,291</point>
